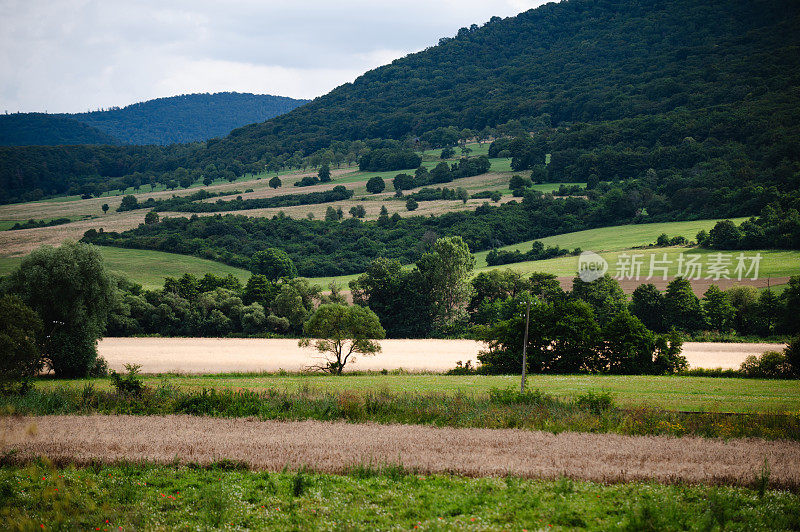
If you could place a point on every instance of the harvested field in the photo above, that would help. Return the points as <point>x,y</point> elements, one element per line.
<point>226,355</point>
<point>272,445</point>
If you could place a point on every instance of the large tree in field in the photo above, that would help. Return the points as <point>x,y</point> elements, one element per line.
<point>341,333</point>
<point>446,270</point>
<point>70,289</point>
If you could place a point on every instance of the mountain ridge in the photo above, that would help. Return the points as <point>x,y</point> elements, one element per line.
<point>182,118</point>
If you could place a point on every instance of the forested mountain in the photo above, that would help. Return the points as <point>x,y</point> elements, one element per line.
<point>31,129</point>
<point>178,119</point>
<point>187,118</point>
<point>691,98</point>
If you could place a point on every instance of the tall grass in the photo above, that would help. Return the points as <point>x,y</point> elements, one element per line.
<point>148,497</point>
<point>500,408</point>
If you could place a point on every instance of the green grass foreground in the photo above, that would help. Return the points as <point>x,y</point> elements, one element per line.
<point>499,409</point>
<point>700,394</point>
<point>150,497</point>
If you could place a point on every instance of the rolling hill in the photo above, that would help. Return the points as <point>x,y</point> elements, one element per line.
<point>32,129</point>
<point>705,94</point>
<point>178,119</point>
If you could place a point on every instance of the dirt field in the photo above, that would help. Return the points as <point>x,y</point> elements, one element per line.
<point>223,355</point>
<point>272,445</point>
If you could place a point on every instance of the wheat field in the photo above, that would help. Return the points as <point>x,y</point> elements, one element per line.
<point>225,355</point>
<point>335,447</point>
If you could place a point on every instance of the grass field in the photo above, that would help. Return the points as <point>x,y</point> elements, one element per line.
<point>614,238</point>
<point>152,497</point>
<point>611,242</point>
<point>671,393</point>
<point>773,263</point>
<point>148,268</point>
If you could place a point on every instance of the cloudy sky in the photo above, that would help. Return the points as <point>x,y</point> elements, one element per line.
<point>78,55</point>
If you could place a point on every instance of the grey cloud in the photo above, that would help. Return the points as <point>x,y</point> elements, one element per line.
<point>71,55</point>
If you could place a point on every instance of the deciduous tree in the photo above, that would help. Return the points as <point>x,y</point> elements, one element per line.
<point>341,333</point>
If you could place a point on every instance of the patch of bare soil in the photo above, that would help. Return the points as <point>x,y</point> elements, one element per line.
<point>333,447</point>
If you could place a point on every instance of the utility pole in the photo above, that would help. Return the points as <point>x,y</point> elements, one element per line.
<point>525,344</point>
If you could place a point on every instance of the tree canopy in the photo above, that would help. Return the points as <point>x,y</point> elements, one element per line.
<point>342,332</point>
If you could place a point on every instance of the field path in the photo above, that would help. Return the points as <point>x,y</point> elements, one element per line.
<point>227,355</point>
<point>336,446</point>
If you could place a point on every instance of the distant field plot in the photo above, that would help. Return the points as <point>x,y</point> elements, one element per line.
<point>773,263</point>
<point>148,268</point>
<point>614,238</point>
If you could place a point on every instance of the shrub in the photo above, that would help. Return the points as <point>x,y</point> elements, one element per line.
<point>99,368</point>
<point>130,383</point>
<point>596,403</point>
<point>770,365</point>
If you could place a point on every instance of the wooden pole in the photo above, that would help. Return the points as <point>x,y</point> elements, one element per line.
<point>525,345</point>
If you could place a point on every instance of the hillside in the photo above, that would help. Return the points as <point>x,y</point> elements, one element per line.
<point>188,117</point>
<point>32,129</point>
<point>178,119</point>
<point>704,94</point>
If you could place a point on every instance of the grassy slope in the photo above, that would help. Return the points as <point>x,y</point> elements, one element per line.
<point>773,263</point>
<point>615,240</point>
<point>150,497</point>
<point>671,393</point>
<point>148,268</point>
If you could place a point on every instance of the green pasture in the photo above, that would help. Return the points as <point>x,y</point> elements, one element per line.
<point>614,238</point>
<point>773,263</point>
<point>699,394</point>
<point>148,268</point>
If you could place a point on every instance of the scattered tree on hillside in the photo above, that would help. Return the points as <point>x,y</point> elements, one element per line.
<point>128,203</point>
<point>324,174</point>
<point>376,185</point>
<point>358,211</point>
<point>275,182</point>
<point>105,208</point>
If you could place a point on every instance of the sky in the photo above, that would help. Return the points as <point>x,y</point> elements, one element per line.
<point>78,55</point>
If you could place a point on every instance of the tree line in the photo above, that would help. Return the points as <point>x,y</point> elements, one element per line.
<point>194,203</point>
<point>59,301</point>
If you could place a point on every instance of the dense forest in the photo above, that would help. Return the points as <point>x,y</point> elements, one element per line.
<point>698,103</point>
<point>177,119</point>
<point>32,129</point>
